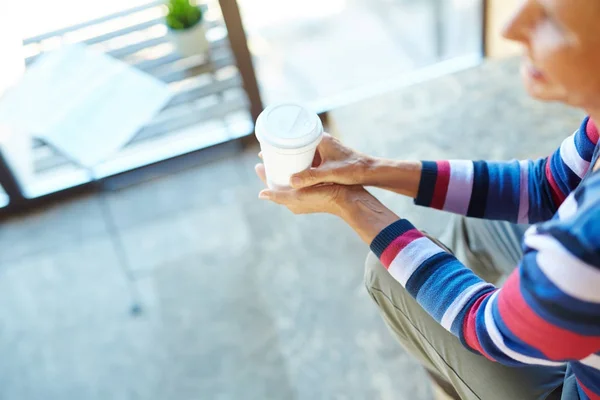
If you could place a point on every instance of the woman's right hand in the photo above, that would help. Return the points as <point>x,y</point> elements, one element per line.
<point>334,163</point>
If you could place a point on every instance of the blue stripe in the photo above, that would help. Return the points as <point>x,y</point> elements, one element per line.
<point>387,236</point>
<point>553,305</point>
<point>566,179</point>
<point>584,146</point>
<point>541,205</point>
<point>503,194</point>
<point>427,182</point>
<point>581,393</point>
<point>423,271</point>
<point>588,376</point>
<point>442,286</point>
<point>478,202</point>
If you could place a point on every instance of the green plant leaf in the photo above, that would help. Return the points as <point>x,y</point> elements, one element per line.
<point>182,14</point>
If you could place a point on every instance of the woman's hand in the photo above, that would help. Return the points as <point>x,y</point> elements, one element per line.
<point>361,210</point>
<point>337,163</point>
<point>317,199</point>
<point>334,163</point>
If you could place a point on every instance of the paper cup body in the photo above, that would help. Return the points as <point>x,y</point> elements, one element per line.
<point>289,135</point>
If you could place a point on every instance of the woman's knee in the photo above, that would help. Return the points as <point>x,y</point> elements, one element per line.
<point>387,293</point>
<point>392,300</point>
<point>372,268</point>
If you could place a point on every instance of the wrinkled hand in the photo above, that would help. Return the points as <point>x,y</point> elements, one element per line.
<point>328,198</point>
<point>334,163</point>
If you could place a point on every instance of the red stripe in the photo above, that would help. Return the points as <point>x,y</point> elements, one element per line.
<point>591,130</point>
<point>557,195</point>
<point>441,185</point>
<point>397,245</point>
<point>470,326</point>
<point>587,391</point>
<point>554,342</point>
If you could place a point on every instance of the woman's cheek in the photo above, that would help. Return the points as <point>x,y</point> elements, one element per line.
<point>551,50</point>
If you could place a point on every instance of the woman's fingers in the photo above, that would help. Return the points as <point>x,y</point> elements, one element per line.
<point>260,171</point>
<point>260,155</point>
<point>318,199</point>
<point>310,177</point>
<point>317,160</point>
<point>284,197</point>
<point>291,198</point>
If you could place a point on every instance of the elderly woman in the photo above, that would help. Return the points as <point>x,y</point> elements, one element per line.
<point>538,335</point>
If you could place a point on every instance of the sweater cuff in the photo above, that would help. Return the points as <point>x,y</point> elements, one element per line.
<point>429,173</point>
<point>388,235</point>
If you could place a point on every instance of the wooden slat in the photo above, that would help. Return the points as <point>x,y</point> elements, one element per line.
<point>172,57</point>
<point>188,71</point>
<point>146,65</point>
<point>87,24</point>
<point>134,48</point>
<point>184,118</point>
<point>124,51</point>
<point>120,52</point>
<point>138,27</point>
<point>203,91</point>
<point>124,31</point>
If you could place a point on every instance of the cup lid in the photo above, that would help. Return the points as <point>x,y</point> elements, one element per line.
<point>288,126</point>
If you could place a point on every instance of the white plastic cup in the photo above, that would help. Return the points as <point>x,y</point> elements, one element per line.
<point>289,135</point>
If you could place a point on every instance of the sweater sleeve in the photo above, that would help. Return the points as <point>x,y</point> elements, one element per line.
<point>516,191</point>
<point>547,313</point>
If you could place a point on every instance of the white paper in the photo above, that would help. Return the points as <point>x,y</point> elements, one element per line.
<point>84,103</point>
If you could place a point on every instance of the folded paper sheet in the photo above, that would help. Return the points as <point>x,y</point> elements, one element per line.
<point>84,103</point>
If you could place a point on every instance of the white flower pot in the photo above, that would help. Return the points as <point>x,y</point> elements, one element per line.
<point>190,42</point>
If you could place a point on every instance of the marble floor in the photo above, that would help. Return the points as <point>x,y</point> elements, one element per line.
<point>239,298</point>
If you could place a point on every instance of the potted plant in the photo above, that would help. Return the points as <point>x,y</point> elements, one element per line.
<point>186,29</point>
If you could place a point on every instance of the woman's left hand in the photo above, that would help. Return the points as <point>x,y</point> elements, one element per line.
<point>363,212</point>
<point>326,198</point>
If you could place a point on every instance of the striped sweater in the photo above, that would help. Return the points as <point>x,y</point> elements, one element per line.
<point>548,311</point>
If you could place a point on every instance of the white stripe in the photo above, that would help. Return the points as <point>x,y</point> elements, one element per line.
<point>459,303</point>
<point>532,230</point>
<point>570,274</point>
<point>592,361</point>
<point>523,217</point>
<point>460,187</point>
<point>411,257</point>
<point>568,208</point>
<point>571,157</point>
<point>498,340</point>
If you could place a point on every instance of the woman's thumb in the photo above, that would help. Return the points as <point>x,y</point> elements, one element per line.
<point>308,177</point>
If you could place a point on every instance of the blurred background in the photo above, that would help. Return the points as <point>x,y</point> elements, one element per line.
<point>135,259</point>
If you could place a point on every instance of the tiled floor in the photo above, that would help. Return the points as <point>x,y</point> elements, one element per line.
<point>240,299</point>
